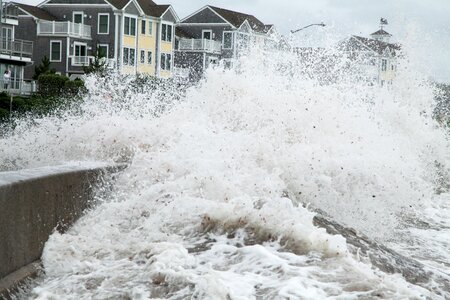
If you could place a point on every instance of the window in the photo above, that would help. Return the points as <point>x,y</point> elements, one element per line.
<point>149,57</point>
<point>383,64</point>
<point>166,60</point>
<point>103,23</point>
<point>392,67</point>
<point>227,40</point>
<point>207,34</point>
<point>166,32</point>
<point>126,55</point>
<point>150,27</point>
<point>55,51</point>
<point>142,56</point>
<point>103,50</point>
<point>143,23</point>
<point>77,17</point>
<point>130,26</point>
<point>129,56</point>
<point>132,56</point>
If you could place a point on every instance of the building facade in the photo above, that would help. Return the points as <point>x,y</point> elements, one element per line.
<point>214,34</point>
<point>15,54</point>
<point>132,35</point>
<point>376,56</point>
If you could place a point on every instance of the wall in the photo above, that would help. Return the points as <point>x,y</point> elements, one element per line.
<point>36,202</point>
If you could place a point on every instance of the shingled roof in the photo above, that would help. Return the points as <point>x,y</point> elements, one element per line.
<point>381,32</point>
<point>375,45</point>
<point>237,18</point>
<point>35,11</point>
<point>119,4</point>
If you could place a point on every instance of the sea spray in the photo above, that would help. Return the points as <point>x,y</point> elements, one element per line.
<point>216,201</point>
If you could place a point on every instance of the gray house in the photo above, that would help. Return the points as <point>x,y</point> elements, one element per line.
<point>130,34</point>
<point>214,34</point>
<point>15,54</point>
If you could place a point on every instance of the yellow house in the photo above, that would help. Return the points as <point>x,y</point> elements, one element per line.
<point>145,38</point>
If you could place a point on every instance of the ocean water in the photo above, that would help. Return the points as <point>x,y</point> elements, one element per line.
<point>224,180</point>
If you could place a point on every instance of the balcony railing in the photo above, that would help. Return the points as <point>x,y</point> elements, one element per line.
<point>64,28</point>
<point>200,45</point>
<point>79,61</point>
<point>16,48</point>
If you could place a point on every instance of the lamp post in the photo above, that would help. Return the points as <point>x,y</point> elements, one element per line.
<point>315,24</point>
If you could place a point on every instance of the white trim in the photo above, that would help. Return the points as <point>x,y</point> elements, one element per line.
<point>174,14</point>
<point>98,23</point>
<point>205,24</point>
<point>135,4</point>
<point>146,27</point>
<point>248,25</point>
<point>136,28</point>
<point>167,23</point>
<point>78,13</point>
<point>107,49</point>
<point>140,52</point>
<point>51,50</point>
<point>207,30</point>
<point>150,25</point>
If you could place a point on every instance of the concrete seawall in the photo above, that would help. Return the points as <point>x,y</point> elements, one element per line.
<point>35,202</point>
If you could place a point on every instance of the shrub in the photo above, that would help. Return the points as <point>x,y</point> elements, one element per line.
<point>51,85</point>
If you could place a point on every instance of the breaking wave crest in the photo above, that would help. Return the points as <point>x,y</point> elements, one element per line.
<point>224,177</point>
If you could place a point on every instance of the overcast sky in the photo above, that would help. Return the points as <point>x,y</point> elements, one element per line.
<point>422,25</point>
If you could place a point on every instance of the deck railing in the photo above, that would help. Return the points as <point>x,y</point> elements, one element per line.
<point>64,28</point>
<point>200,45</point>
<point>17,48</point>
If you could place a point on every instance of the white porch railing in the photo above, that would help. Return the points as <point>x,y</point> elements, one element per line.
<point>18,87</point>
<point>64,28</point>
<point>200,45</point>
<point>79,61</point>
<point>17,48</point>
<point>180,72</point>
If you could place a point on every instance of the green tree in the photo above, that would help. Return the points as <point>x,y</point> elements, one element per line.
<point>98,64</point>
<point>43,68</point>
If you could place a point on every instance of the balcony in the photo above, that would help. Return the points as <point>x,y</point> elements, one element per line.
<point>68,28</point>
<point>80,61</point>
<point>16,49</point>
<point>203,45</point>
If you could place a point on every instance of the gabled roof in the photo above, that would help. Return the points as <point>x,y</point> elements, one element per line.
<point>150,8</point>
<point>381,32</point>
<point>35,12</point>
<point>377,46</point>
<point>268,27</point>
<point>237,18</point>
<point>71,2</point>
<point>119,4</point>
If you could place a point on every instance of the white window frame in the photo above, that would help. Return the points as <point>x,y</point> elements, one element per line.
<point>146,24</point>
<point>129,56</point>
<point>60,50</point>
<point>129,24</point>
<point>107,49</point>
<point>150,26</point>
<point>210,34</point>
<point>150,55</point>
<point>140,57</point>
<point>171,34</point>
<point>223,39</point>
<point>78,13</point>
<point>165,59</point>
<point>98,23</point>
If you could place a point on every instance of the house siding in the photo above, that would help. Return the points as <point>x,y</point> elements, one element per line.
<point>205,16</point>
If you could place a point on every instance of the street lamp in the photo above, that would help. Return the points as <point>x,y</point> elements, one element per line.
<point>315,24</point>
